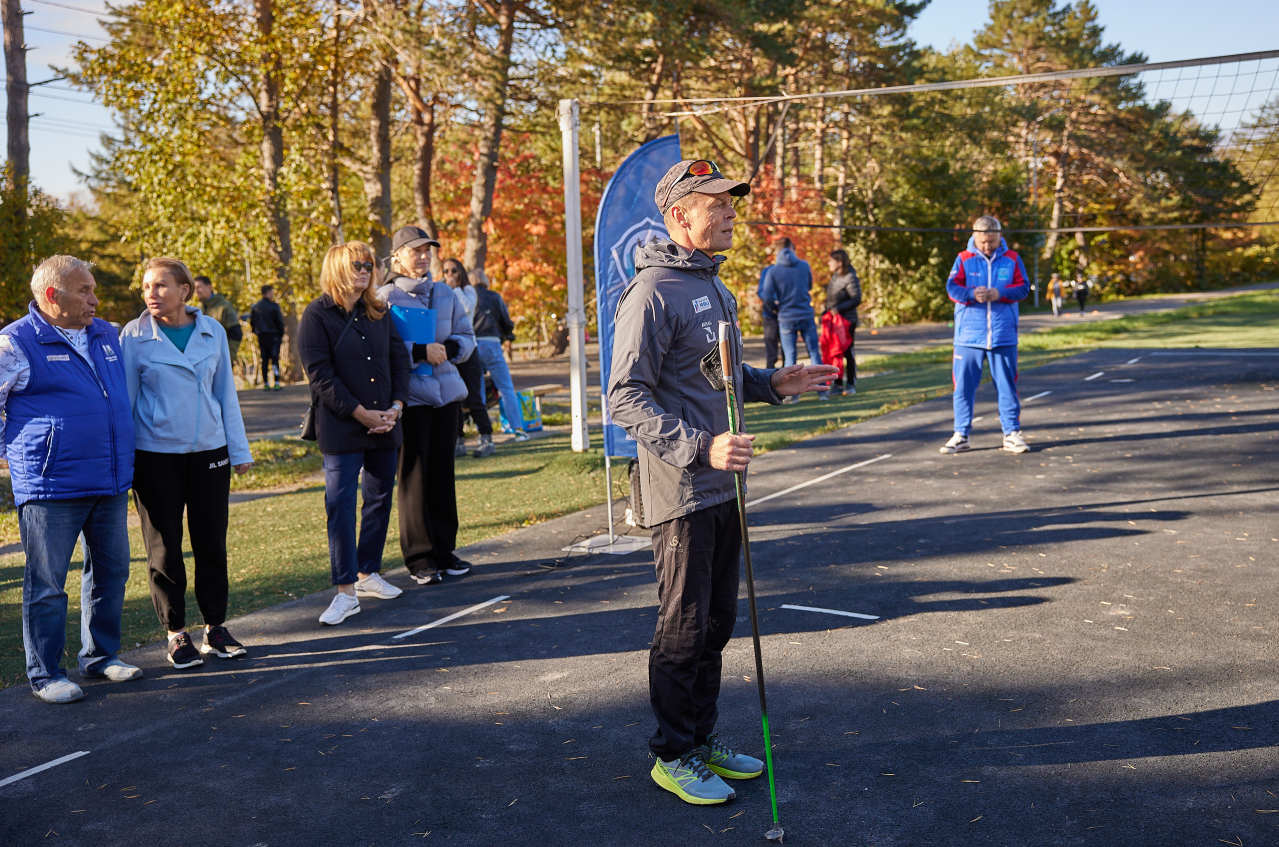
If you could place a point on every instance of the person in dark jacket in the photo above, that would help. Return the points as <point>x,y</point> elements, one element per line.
<point>428,497</point>
<point>471,369</point>
<point>359,371</point>
<point>844,295</point>
<point>68,438</point>
<point>267,322</point>
<point>220,309</point>
<point>667,322</point>
<point>493,326</point>
<point>768,319</point>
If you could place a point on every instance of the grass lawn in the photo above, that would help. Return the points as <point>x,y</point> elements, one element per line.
<point>277,541</point>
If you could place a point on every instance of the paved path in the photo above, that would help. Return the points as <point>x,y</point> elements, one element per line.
<point>1069,647</point>
<point>275,413</point>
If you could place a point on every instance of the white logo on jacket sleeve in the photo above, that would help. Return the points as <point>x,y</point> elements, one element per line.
<point>701,304</point>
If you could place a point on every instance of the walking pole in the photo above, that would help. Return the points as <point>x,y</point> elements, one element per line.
<point>730,394</point>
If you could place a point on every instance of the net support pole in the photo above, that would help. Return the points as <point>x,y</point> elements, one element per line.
<point>569,124</point>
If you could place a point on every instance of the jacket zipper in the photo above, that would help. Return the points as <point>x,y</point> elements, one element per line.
<point>990,279</point>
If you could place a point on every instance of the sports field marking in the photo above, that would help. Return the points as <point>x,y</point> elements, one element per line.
<point>1091,377</point>
<point>1037,396</point>
<point>1134,360</point>
<point>978,419</point>
<point>821,478</point>
<point>839,612</point>
<point>452,617</point>
<point>1123,380</point>
<point>62,760</point>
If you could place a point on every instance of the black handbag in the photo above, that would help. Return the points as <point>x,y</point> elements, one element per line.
<point>306,431</point>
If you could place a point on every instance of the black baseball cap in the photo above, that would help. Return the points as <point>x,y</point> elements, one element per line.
<point>411,236</point>
<point>695,175</point>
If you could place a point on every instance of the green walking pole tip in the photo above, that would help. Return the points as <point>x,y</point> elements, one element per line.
<point>775,834</point>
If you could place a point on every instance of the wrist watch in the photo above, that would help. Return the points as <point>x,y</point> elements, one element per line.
<point>397,406</point>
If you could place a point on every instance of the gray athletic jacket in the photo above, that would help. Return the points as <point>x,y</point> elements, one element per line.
<point>667,320</point>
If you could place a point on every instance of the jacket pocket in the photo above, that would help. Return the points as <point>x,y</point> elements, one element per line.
<point>50,450</point>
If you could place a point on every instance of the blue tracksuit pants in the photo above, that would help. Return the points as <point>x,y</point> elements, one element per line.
<point>966,375</point>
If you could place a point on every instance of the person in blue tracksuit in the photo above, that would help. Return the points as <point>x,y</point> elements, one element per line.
<point>986,283</point>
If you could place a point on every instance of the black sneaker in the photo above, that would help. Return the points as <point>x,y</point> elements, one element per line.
<point>220,643</point>
<point>458,567</point>
<point>182,653</point>
<point>428,577</point>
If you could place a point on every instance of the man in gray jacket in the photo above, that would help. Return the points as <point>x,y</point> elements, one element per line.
<point>667,323</point>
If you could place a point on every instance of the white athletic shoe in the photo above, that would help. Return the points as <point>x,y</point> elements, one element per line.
<point>1014,443</point>
<point>115,670</point>
<point>60,691</point>
<point>958,444</point>
<point>341,608</point>
<point>374,586</point>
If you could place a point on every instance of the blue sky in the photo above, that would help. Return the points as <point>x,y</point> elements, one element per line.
<point>66,129</point>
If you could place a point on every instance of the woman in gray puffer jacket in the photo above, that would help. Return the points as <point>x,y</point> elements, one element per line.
<point>844,295</point>
<point>428,499</point>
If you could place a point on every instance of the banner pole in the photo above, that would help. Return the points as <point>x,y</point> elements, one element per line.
<point>576,318</point>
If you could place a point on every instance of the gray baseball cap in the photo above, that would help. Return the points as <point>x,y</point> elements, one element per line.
<point>695,175</point>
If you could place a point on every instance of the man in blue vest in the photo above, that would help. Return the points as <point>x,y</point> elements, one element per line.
<point>68,438</point>
<point>986,283</point>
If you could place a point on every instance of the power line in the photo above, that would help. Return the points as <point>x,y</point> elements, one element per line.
<point>98,12</point>
<point>66,34</point>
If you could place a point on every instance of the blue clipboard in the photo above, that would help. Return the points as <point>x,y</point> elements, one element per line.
<point>416,326</point>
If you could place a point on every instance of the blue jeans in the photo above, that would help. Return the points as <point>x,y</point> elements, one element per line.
<point>49,530</point>
<point>341,479</point>
<point>966,374</point>
<point>495,363</point>
<point>808,329</point>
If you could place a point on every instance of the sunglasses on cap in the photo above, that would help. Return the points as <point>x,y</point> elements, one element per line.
<point>362,266</point>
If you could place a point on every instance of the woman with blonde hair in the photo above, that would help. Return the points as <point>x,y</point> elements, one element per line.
<point>358,369</point>
<point>189,436</point>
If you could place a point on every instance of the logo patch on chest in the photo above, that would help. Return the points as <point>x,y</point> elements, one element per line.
<point>58,357</point>
<point>701,304</point>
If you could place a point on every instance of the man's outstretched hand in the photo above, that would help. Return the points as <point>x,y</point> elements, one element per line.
<point>731,452</point>
<point>796,379</point>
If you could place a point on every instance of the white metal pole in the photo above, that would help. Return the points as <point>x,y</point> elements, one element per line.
<point>576,297</point>
<point>608,483</point>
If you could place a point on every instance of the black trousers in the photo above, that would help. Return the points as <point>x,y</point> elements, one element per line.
<point>428,499</point>
<point>472,373</point>
<point>772,342</point>
<point>698,563</point>
<point>850,360</point>
<point>269,348</point>
<point>165,485</point>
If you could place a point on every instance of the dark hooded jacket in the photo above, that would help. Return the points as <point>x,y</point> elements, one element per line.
<point>787,286</point>
<point>667,321</point>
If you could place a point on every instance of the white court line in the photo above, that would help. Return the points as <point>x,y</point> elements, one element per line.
<point>1093,376</point>
<point>821,478</point>
<point>1123,380</point>
<point>1133,360</point>
<point>452,617</point>
<point>1037,396</point>
<point>1210,353</point>
<point>977,419</point>
<point>38,768</point>
<point>858,615</point>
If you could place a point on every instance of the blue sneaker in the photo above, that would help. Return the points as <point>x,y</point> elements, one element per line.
<point>689,779</point>
<point>726,763</point>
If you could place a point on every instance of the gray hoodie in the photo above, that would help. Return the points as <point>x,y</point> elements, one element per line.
<point>667,320</point>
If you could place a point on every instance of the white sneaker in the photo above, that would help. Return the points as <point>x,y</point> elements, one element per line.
<point>374,586</point>
<point>958,444</point>
<point>341,608</point>
<point>115,670</point>
<point>60,691</point>
<point>1014,443</point>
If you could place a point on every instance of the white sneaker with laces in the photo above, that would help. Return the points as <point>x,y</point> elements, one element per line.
<point>342,607</point>
<point>958,443</point>
<point>115,670</point>
<point>60,691</point>
<point>1014,443</point>
<point>374,586</point>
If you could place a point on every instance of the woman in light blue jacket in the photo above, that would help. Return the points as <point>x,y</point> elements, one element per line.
<point>189,437</point>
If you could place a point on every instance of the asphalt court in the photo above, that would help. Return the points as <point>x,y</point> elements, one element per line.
<point>1071,646</point>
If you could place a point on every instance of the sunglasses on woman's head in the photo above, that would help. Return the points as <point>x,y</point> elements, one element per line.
<point>367,267</point>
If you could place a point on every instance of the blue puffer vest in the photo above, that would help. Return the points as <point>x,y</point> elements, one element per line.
<point>69,433</point>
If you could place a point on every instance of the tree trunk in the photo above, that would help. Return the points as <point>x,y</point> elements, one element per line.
<point>496,68</point>
<point>333,174</point>
<point>272,150</point>
<point>1062,161</point>
<point>424,158</point>
<point>377,180</point>
<point>648,112</point>
<point>779,157</point>
<point>819,148</point>
<point>16,91</point>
